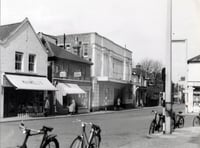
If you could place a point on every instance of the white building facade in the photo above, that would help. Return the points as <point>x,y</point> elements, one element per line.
<point>111,70</point>
<point>23,69</point>
<point>193,85</point>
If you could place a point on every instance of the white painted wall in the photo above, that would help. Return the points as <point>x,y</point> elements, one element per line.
<point>24,41</point>
<point>194,72</point>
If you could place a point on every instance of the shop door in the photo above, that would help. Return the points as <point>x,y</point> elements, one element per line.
<point>10,102</point>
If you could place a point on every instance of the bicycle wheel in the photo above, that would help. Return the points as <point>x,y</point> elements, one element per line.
<point>196,121</point>
<point>181,122</point>
<point>51,143</point>
<point>152,127</point>
<point>77,143</point>
<point>160,128</point>
<point>173,124</point>
<point>95,142</point>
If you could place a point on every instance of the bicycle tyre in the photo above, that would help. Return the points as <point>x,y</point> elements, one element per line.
<point>160,124</point>
<point>173,124</point>
<point>77,143</point>
<point>95,142</point>
<point>181,122</point>
<point>196,121</point>
<point>48,143</point>
<point>152,127</point>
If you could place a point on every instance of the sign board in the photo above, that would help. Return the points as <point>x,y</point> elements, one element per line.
<point>77,74</point>
<point>63,74</point>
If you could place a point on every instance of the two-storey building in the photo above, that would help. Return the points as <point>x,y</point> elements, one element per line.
<point>71,76</point>
<point>23,70</point>
<point>111,69</point>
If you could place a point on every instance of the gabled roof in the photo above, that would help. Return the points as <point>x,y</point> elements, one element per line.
<point>6,30</point>
<point>59,52</point>
<point>51,36</point>
<point>194,60</point>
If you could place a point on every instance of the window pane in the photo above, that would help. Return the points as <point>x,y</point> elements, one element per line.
<point>18,60</point>
<point>31,62</point>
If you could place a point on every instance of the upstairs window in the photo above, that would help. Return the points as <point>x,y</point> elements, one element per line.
<point>31,63</point>
<point>18,61</point>
<point>85,49</point>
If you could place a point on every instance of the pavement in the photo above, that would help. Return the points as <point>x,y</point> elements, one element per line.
<point>29,118</point>
<point>187,137</point>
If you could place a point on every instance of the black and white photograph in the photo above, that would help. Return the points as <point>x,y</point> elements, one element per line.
<point>99,74</point>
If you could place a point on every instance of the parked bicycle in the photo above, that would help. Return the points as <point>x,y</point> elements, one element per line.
<point>157,122</point>
<point>177,120</point>
<point>196,120</point>
<point>48,140</point>
<point>82,141</point>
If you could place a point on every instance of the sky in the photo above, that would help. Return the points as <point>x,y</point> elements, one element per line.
<point>140,25</point>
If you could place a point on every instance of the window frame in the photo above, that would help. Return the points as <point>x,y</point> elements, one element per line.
<point>32,63</point>
<point>19,63</point>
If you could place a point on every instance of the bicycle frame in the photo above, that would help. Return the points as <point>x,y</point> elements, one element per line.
<point>28,133</point>
<point>157,120</point>
<point>86,140</point>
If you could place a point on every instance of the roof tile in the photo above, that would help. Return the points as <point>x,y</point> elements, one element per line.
<point>61,53</point>
<point>6,30</point>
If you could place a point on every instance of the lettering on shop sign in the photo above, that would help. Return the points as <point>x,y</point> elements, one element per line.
<point>32,82</point>
<point>77,74</point>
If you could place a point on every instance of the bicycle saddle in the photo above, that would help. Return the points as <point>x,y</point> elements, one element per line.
<point>180,112</point>
<point>95,127</point>
<point>49,129</point>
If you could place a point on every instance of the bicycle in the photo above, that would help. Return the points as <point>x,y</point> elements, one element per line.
<point>177,120</point>
<point>82,141</point>
<point>48,140</point>
<point>156,124</point>
<point>196,120</point>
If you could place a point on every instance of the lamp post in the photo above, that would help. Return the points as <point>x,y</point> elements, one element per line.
<point>168,86</point>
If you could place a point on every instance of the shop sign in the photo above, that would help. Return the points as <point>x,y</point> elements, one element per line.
<point>77,74</point>
<point>63,74</point>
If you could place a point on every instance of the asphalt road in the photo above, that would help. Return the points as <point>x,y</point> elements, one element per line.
<point>118,128</point>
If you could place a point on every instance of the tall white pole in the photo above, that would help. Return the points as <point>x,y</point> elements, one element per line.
<point>0,12</point>
<point>168,68</point>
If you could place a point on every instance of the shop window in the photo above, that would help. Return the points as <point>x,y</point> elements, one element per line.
<point>18,61</point>
<point>31,63</point>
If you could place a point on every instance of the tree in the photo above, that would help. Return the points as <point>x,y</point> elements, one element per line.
<point>152,69</point>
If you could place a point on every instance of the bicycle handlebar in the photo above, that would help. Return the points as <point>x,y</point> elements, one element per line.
<point>25,129</point>
<point>154,111</point>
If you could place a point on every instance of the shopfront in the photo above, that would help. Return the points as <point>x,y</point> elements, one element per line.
<point>196,99</point>
<point>24,94</point>
<point>68,91</point>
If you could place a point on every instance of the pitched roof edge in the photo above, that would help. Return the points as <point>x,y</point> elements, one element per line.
<point>81,59</point>
<point>191,60</point>
<point>12,33</point>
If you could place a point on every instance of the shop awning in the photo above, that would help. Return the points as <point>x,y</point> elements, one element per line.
<point>30,82</point>
<point>68,88</point>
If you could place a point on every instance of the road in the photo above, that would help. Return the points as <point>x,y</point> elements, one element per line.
<point>118,128</point>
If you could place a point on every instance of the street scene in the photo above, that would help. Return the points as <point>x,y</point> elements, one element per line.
<point>119,129</point>
<point>99,74</point>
